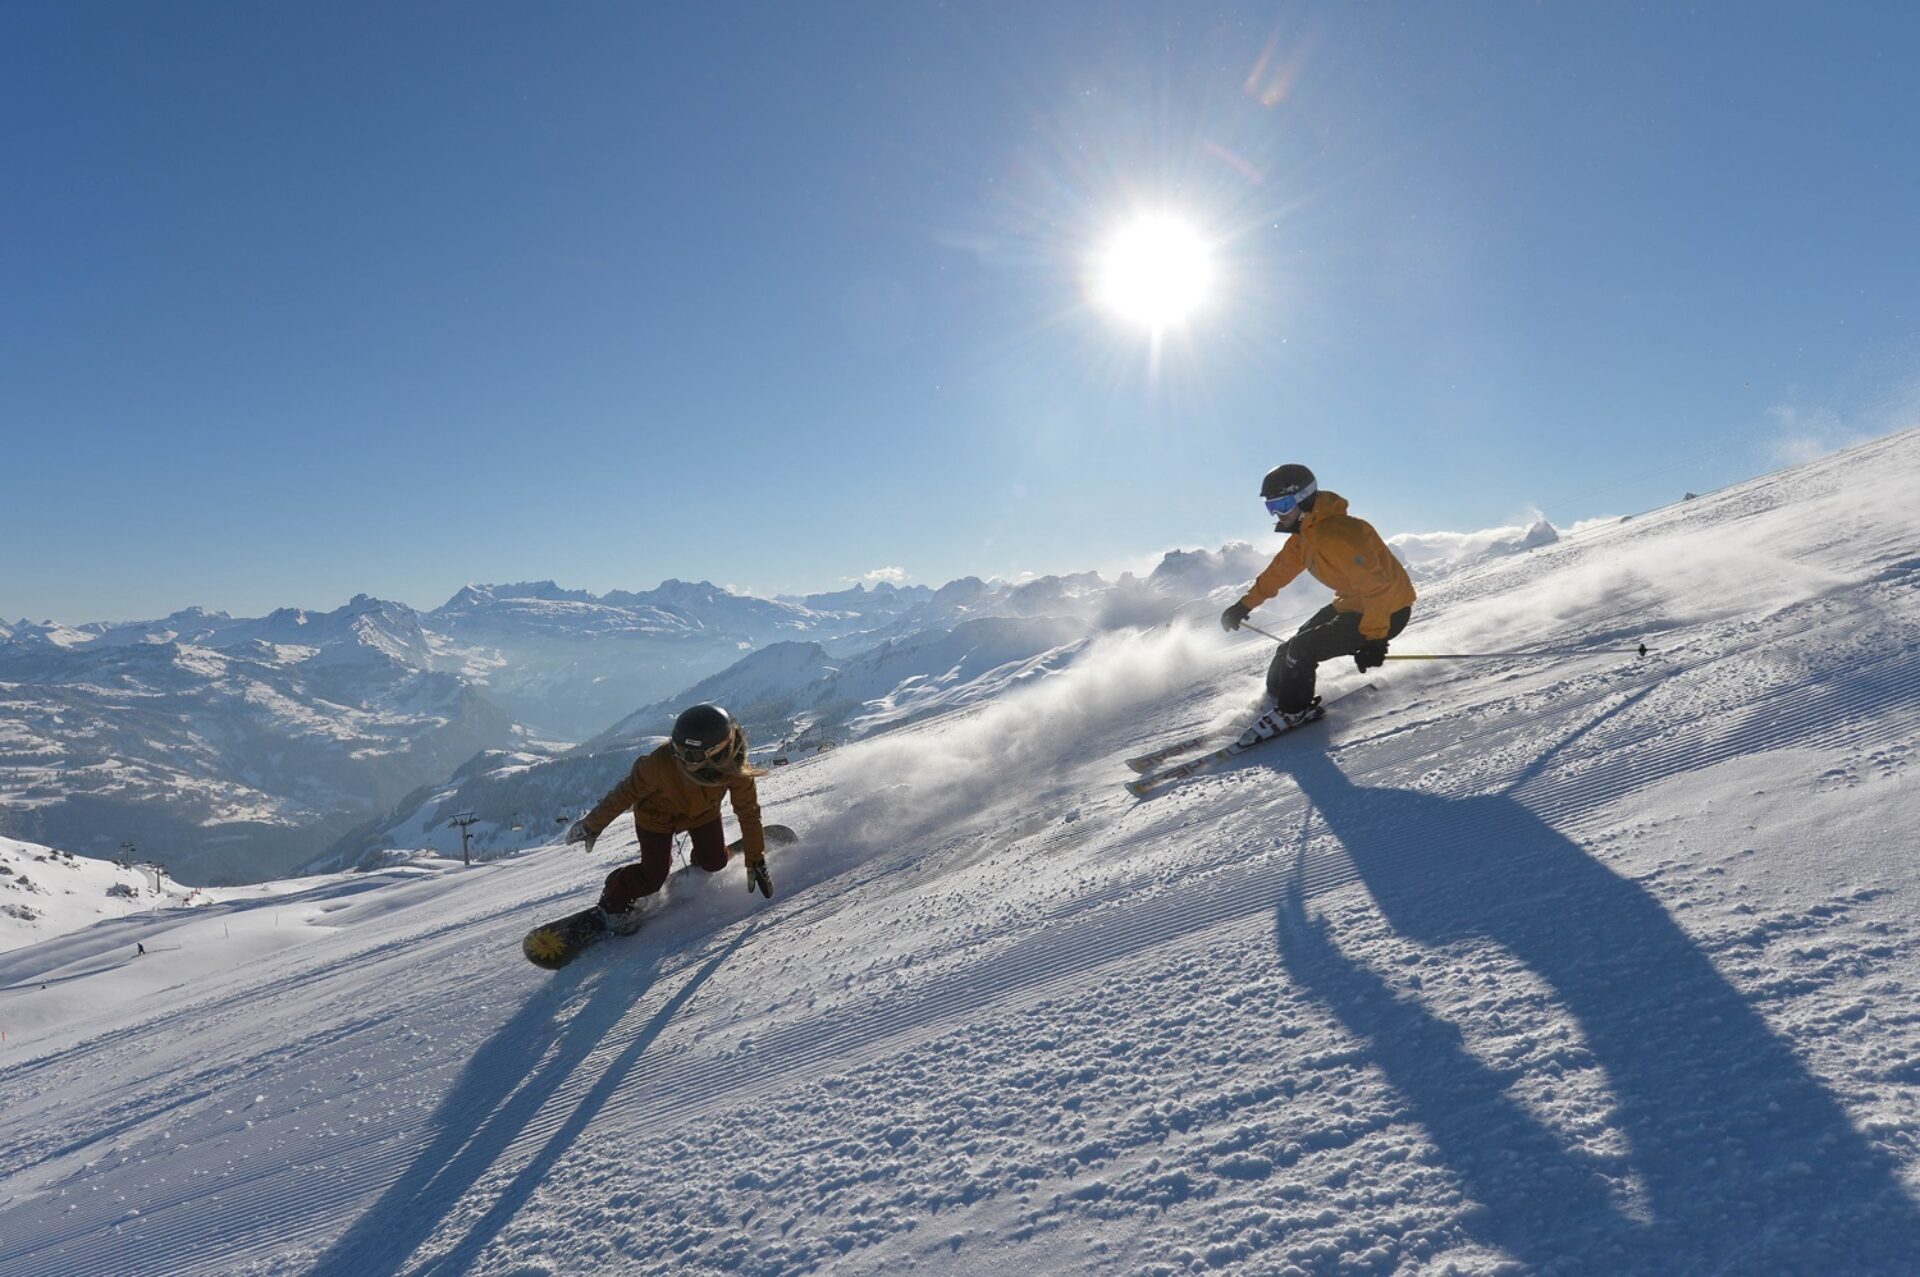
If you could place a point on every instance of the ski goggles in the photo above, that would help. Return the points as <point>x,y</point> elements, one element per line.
<point>1280,507</point>
<point>710,764</point>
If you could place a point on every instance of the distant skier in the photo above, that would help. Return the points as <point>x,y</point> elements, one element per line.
<point>676,788</point>
<point>1373,598</point>
<point>140,950</point>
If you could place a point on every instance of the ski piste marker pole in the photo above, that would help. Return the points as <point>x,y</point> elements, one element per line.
<point>1550,653</point>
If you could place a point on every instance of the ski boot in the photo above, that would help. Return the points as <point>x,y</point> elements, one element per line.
<point>1275,721</point>
<point>623,923</point>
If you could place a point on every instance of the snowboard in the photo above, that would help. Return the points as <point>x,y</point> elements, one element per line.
<point>554,944</point>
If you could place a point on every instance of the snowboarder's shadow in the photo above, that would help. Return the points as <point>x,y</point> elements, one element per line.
<point>1747,1164</point>
<point>505,1086</point>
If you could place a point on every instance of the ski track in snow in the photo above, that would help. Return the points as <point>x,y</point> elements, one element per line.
<point>1598,966</point>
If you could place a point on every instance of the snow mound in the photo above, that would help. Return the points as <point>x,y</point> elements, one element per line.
<point>45,892</point>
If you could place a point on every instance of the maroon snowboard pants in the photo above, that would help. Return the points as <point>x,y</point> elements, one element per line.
<point>628,883</point>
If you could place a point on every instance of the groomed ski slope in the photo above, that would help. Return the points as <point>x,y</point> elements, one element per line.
<point>1602,965</point>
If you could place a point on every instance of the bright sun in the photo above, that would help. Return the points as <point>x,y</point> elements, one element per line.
<point>1155,272</point>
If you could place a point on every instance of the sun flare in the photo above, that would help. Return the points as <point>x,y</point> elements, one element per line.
<point>1155,272</point>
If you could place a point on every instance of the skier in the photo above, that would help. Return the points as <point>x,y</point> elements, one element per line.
<point>1373,598</point>
<point>679,787</point>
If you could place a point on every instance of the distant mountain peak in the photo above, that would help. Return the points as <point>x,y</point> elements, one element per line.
<point>1538,533</point>
<point>475,595</point>
<point>549,591</point>
<point>674,585</point>
<point>469,595</point>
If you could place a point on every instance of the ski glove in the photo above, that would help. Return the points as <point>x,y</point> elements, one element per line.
<point>1231,618</point>
<point>580,833</point>
<point>758,879</point>
<point>1372,655</point>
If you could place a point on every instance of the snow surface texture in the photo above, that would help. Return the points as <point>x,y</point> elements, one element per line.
<point>1600,965</point>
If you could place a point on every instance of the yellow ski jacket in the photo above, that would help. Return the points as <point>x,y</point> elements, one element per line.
<point>1347,556</point>
<point>665,800</point>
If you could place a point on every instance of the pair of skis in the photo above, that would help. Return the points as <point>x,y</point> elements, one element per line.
<point>1153,781</point>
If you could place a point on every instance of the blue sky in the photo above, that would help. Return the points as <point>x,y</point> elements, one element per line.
<point>298,301</point>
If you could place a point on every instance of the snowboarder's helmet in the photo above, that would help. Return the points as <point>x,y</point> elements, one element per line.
<point>709,744</point>
<point>1286,489</point>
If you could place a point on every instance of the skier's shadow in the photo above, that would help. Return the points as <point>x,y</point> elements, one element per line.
<point>504,1086</point>
<point>1747,1164</point>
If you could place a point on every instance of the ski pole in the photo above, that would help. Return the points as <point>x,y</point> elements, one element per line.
<point>1642,650</point>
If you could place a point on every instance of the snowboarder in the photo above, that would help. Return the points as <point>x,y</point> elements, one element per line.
<point>1373,598</point>
<point>676,788</point>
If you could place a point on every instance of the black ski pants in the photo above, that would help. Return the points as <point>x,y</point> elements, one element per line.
<point>1325,635</point>
<point>627,884</point>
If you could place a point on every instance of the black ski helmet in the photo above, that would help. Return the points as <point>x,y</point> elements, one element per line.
<point>708,743</point>
<point>1285,488</point>
<point>1285,481</point>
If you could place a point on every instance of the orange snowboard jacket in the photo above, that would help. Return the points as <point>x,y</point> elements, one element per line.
<point>1347,556</point>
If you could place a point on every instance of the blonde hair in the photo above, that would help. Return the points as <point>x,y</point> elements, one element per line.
<point>746,767</point>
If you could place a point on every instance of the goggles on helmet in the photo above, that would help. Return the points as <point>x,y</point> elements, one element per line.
<point>1281,507</point>
<point>712,764</point>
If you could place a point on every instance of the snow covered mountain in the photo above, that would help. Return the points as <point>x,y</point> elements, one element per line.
<point>45,635</point>
<point>46,892</point>
<point>230,750</point>
<point>797,691</point>
<point>1598,964</point>
<point>240,747</point>
<point>569,662</point>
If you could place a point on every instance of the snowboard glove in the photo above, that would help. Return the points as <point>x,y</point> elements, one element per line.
<point>579,832</point>
<point>1371,656</point>
<point>1231,618</point>
<point>758,879</point>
